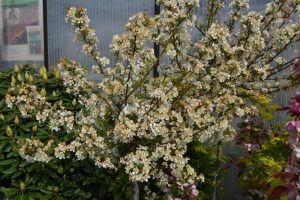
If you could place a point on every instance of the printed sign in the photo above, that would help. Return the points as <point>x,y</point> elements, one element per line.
<point>21,30</point>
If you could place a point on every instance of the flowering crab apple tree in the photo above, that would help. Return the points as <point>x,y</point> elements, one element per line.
<point>130,119</point>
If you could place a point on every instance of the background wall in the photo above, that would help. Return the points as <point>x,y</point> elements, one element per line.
<point>108,17</point>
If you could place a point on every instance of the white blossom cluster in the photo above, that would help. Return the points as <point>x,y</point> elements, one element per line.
<point>36,151</point>
<point>83,32</point>
<point>144,123</point>
<point>28,98</point>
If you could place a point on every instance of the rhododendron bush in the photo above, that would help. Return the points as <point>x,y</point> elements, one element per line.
<point>130,119</point>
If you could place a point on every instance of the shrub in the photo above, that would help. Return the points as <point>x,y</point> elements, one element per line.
<point>58,179</point>
<point>270,168</point>
<point>266,154</point>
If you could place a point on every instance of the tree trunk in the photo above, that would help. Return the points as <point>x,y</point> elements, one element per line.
<point>135,191</point>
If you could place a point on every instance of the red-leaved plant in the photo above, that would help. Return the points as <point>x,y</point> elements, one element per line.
<point>291,173</point>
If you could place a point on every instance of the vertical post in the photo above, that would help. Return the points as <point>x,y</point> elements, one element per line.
<point>136,191</point>
<point>45,26</point>
<point>156,46</point>
<point>216,194</point>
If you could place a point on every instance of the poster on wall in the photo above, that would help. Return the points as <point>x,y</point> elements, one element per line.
<point>21,30</point>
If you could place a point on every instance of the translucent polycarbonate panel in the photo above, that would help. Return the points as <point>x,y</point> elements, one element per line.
<point>21,32</point>
<point>108,18</point>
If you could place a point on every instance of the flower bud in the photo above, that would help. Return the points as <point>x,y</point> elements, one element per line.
<point>19,77</point>
<point>17,69</point>
<point>60,103</point>
<point>42,71</point>
<point>43,92</point>
<point>74,102</point>
<point>45,77</point>
<point>30,78</point>
<point>17,120</point>
<point>54,107</point>
<point>56,73</point>
<point>34,128</point>
<point>1,116</point>
<point>9,132</point>
<point>22,186</point>
<point>26,76</point>
<point>54,93</point>
<point>56,189</point>
<point>13,80</point>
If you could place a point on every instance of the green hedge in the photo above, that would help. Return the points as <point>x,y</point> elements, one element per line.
<point>58,179</point>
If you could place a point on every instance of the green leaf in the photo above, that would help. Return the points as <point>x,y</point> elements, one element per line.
<point>32,167</point>
<point>30,197</point>
<point>11,154</point>
<point>20,197</point>
<point>2,137</point>
<point>46,191</point>
<point>52,98</point>
<point>274,182</point>
<point>9,192</point>
<point>16,175</point>
<point>10,170</point>
<point>7,148</point>
<point>265,115</point>
<point>3,144</point>
<point>25,128</point>
<point>8,162</point>
<point>47,197</point>
<point>262,99</point>
<point>37,195</point>
<point>42,134</point>
<point>23,164</point>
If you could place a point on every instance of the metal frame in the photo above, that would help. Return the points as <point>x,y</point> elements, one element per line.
<point>156,46</point>
<point>45,26</point>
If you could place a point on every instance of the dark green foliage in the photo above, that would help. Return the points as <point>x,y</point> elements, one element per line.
<point>204,160</point>
<point>58,179</point>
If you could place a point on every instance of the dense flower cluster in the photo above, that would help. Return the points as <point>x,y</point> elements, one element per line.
<point>144,123</point>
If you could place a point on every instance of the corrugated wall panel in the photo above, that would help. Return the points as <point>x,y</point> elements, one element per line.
<point>108,17</point>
